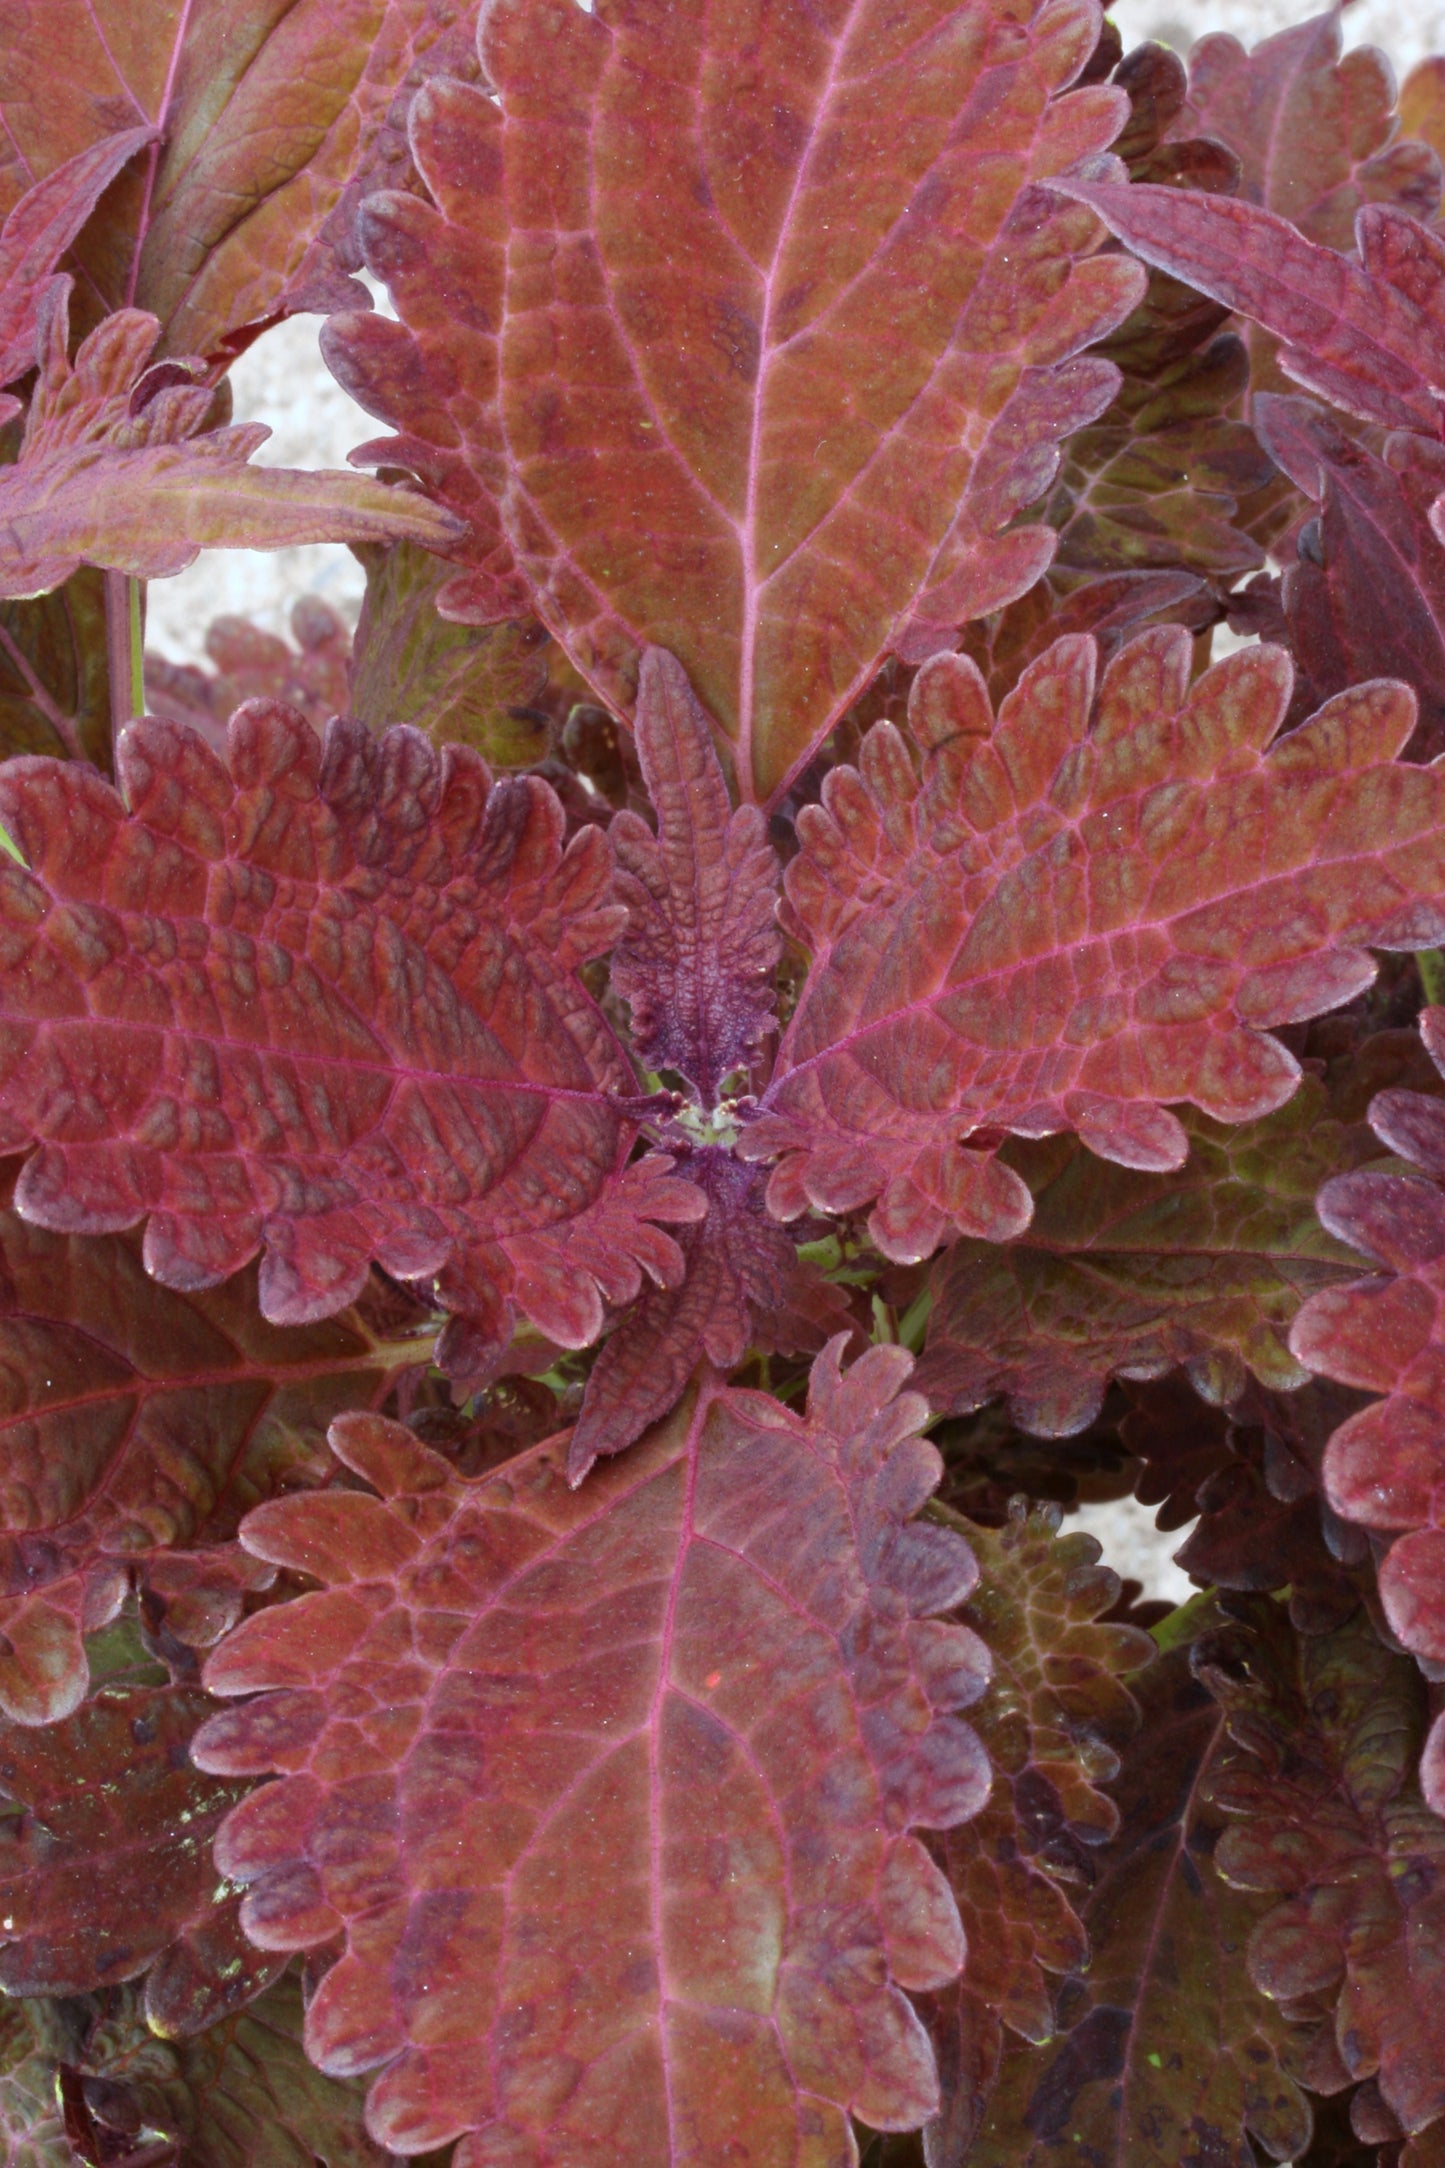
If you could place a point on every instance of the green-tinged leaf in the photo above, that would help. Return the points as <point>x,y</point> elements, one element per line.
<point>477,685</point>
<point>1053,1719</point>
<point>32,2127</point>
<point>111,472</point>
<point>54,672</point>
<point>1169,2054</point>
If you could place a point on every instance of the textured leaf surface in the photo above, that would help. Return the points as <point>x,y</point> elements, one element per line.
<point>251,664</point>
<point>137,1421</point>
<point>1083,910</point>
<point>1368,335</point>
<point>1169,2053</point>
<point>1385,1334</point>
<point>696,963</point>
<point>1328,1817</point>
<point>40,228</point>
<point>110,472</point>
<point>1052,1720</point>
<point>476,685</point>
<point>832,356</point>
<point>267,112</point>
<point>323,1005</point>
<point>610,1788</point>
<point>107,1872</point>
<point>1122,1273</point>
<point>32,2129</point>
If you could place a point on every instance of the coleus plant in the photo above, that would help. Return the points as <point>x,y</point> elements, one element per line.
<point>591,1169</point>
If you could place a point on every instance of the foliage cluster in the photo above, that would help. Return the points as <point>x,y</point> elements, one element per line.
<point>848,958</point>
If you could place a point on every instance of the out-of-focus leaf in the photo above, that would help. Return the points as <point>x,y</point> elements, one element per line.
<point>476,685</point>
<point>744,1286</point>
<point>1169,2054</point>
<point>254,665</point>
<point>1122,1273</point>
<point>136,1422</point>
<point>268,116</point>
<point>54,674</point>
<point>324,1005</point>
<point>1316,132</point>
<point>826,468</point>
<point>1053,1720</point>
<point>106,1872</point>
<point>1367,335</point>
<point>112,473</point>
<point>1365,595</point>
<point>695,965</point>
<point>32,2128</point>
<point>1327,1818</point>
<point>1077,914</point>
<point>40,228</point>
<point>610,1789</point>
<point>1112,606</point>
<point>1422,102</point>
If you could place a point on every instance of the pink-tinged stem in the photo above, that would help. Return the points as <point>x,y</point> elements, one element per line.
<point>123,651</point>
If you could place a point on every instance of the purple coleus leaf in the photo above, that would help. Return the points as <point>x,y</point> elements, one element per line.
<point>324,1005</point>
<point>41,227</point>
<point>1065,917</point>
<point>696,962</point>
<point>610,1790</point>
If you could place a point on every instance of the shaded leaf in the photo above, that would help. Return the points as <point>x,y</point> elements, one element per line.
<point>476,685</point>
<point>709,1703</point>
<point>137,1422</point>
<point>1082,911</point>
<point>106,1872</point>
<point>323,1006</point>
<point>32,2128</point>
<point>1123,1273</point>
<point>1111,606</point>
<point>1422,102</point>
<point>1052,1720</point>
<point>695,965</point>
<point>267,117</point>
<point>827,467</point>
<point>1370,336</point>
<point>1169,2053</point>
<point>54,673</point>
<point>252,665</point>
<point>1328,1820</point>
<point>38,230</point>
<point>111,473</point>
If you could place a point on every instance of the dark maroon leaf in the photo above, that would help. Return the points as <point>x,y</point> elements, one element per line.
<point>40,228</point>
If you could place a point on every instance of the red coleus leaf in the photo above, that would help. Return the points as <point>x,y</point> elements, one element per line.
<point>831,356</point>
<point>1328,1818</point>
<point>610,1789</point>
<point>324,1006</point>
<point>1053,1718</point>
<point>251,664</point>
<point>1126,1274</point>
<point>112,472</point>
<point>1169,2053</point>
<point>1092,906</point>
<point>106,1873</point>
<point>263,118</point>
<point>696,963</point>
<point>138,1422</point>
<point>40,228</point>
<point>1370,336</point>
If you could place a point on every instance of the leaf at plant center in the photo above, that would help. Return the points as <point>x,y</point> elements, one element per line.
<point>1053,1718</point>
<point>54,674</point>
<point>1124,1273</point>
<point>696,963</point>
<point>688,1905</point>
<point>324,1005</point>
<point>1021,939</point>
<point>138,1421</point>
<point>106,1873</point>
<point>1365,594</point>
<point>1169,2053</point>
<point>1330,1822</point>
<point>477,685</point>
<point>267,114</point>
<point>744,1286</point>
<point>1369,336</point>
<point>38,230</point>
<point>112,475</point>
<point>251,664</point>
<point>1385,1334</point>
<point>831,356</point>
